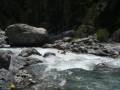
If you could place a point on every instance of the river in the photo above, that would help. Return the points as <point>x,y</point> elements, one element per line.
<point>71,71</point>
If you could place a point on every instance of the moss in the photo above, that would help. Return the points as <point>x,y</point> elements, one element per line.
<point>12,86</point>
<point>102,35</point>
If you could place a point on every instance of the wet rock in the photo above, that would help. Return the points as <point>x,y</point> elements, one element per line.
<point>99,53</point>
<point>49,54</point>
<point>28,52</point>
<point>83,49</point>
<point>18,62</point>
<point>105,52</point>
<point>75,50</point>
<point>111,52</point>
<point>31,60</point>
<point>5,58</point>
<point>63,52</point>
<point>26,35</point>
<point>102,67</point>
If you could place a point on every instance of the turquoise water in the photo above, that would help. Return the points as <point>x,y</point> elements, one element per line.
<point>91,80</point>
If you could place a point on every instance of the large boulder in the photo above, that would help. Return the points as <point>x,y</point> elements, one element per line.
<point>26,35</point>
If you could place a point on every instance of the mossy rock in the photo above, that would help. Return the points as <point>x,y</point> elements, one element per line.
<point>102,35</point>
<point>84,31</point>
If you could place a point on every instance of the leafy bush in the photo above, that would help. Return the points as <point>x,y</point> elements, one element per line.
<point>102,35</point>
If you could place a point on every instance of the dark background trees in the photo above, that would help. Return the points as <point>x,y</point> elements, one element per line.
<point>60,15</point>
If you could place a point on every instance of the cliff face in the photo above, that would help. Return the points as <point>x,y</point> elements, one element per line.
<point>61,14</point>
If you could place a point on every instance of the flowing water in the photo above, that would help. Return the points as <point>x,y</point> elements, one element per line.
<point>72,71</point>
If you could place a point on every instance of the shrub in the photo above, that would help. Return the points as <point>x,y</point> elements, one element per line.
<point>102,35</point>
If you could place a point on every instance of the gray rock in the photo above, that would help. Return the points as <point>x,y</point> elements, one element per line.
<point>49,54</point>
<point>31,60</point>
<point>5,58</point>
<point>28,52</point>
<point>103,67</point>
<point>18,62</point>
<point>23,34</point>
<point>105,52</point>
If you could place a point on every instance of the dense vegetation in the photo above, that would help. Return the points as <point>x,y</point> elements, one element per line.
<point>61,15</point>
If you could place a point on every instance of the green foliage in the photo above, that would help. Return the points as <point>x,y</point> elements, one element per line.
<point>12,86</point>
<point>84,31</point>
<point>102,35</point>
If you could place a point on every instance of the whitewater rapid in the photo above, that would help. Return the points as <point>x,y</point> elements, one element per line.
<point>70,60</point>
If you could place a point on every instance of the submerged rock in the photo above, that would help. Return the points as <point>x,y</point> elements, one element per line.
<point>103,67</point>
<point>26,35</point>
<point>49,54</point>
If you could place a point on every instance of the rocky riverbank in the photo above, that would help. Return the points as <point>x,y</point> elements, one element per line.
<point>23,35</point>
<point>17,65</point>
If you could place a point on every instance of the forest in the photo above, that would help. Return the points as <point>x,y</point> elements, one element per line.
<point>61,15</point>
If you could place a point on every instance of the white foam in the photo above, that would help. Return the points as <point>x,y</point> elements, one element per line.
<point>72,60</point>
